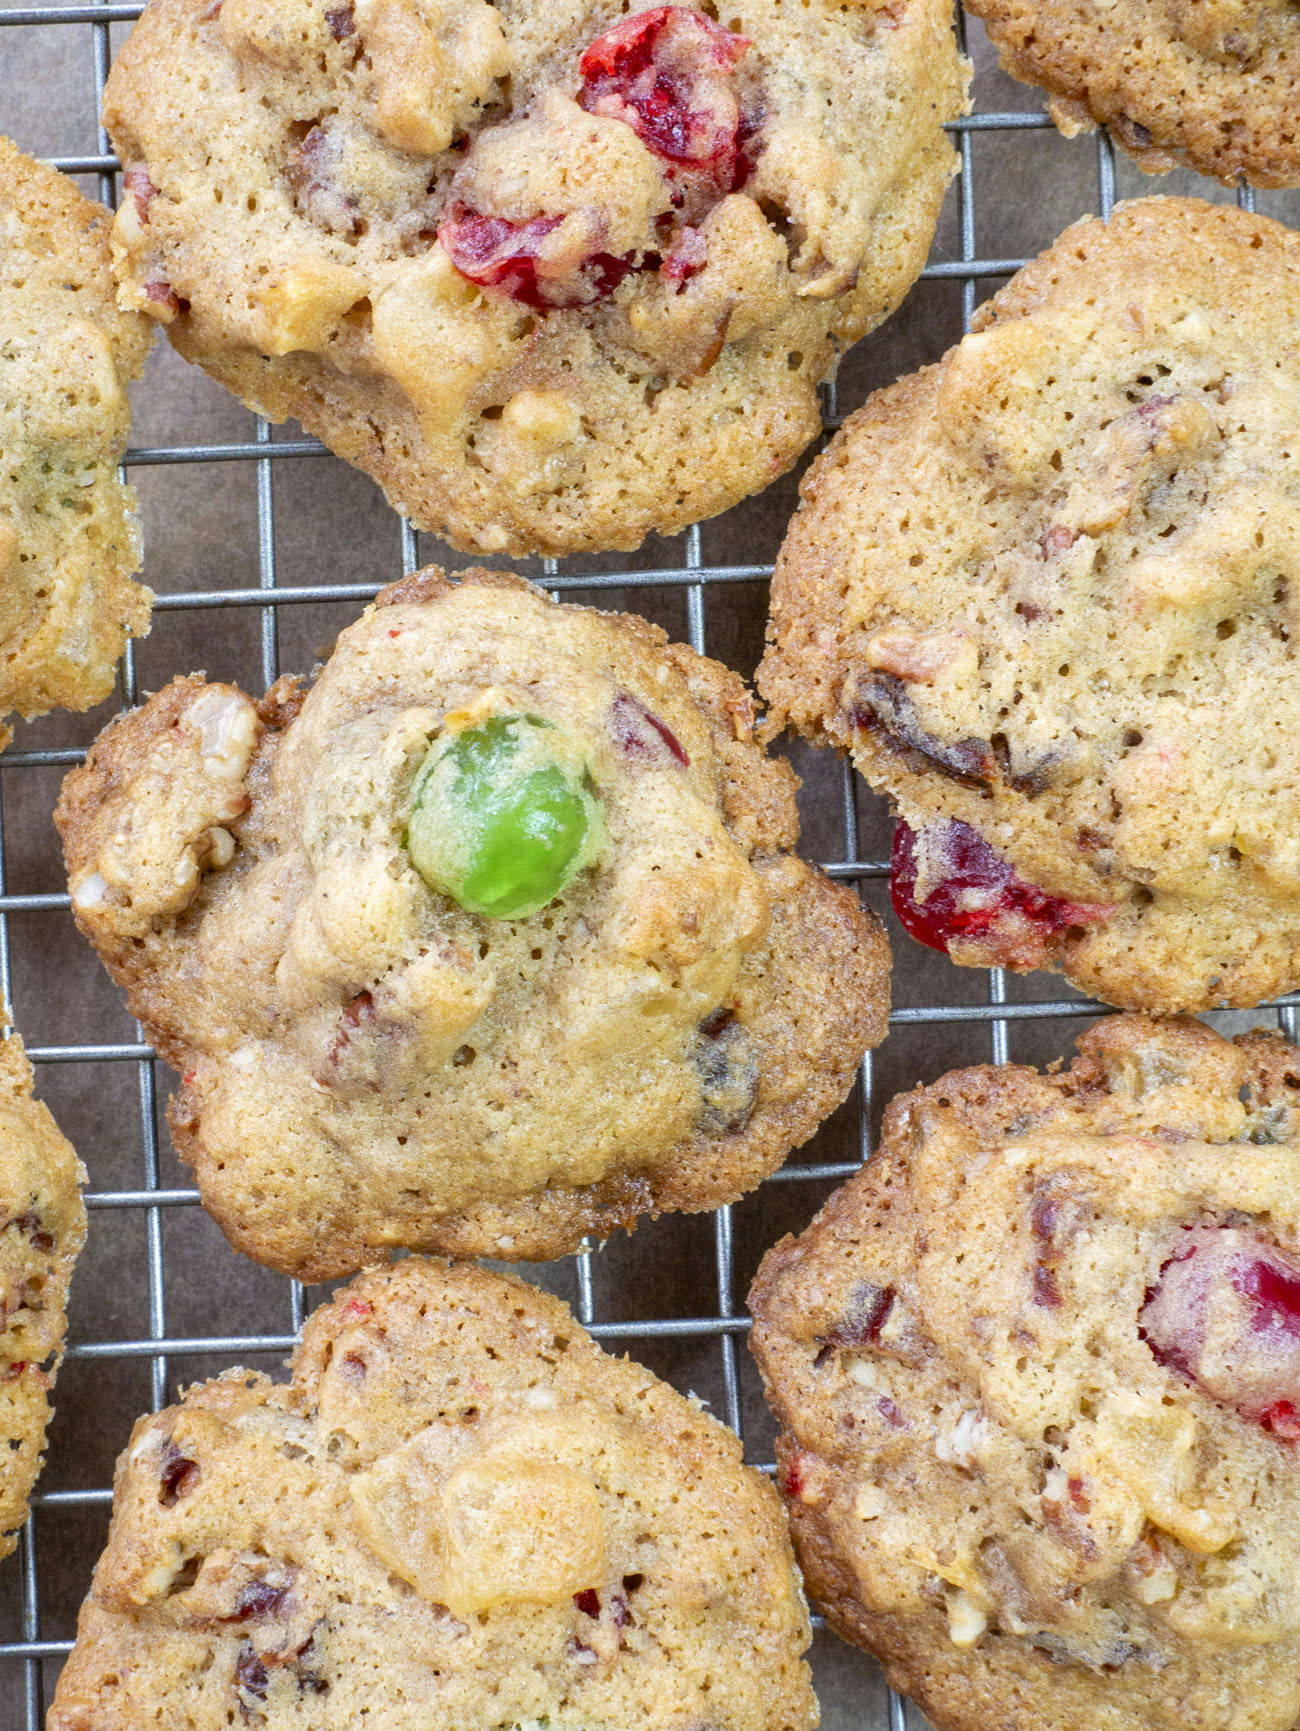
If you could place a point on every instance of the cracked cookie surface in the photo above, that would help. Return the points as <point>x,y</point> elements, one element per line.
<point>1037,1370</point>
<point>556,276</point>
<point>366,1063</point>
<point>460,1512</point>
<point>42,1230</point>
<point>1212,84</point>
<point>1044,593</point>
<point>69,542</point>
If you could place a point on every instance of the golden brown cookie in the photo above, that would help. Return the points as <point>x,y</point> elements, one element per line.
<point>459,1513</point>
<point>1037,1370</point>
<point>1045,594</point>
<point>69,542</point>
<point>389,1032</point>
<point>42,1230</point>
<point>1213,84</point>
<point>556,275</point>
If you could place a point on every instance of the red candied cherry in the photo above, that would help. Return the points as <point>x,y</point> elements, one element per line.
<point>495,252</point>
<point>977,897</point>
<point>1225,1312</point>
<point>667,73</point>
<point>688,253</point>
<point>642,736</point>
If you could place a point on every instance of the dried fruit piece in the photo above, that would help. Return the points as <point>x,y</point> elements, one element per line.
<point>667,74</point>
<point>977,898</point>
<point>504,814</point>
<point>495,252</point>
<point>641,734</point>
<point>177,1475</point>
<point>728,1074</point>
<point>314,172</point>
<point>865,1317</point>
<point>1225,1312</point>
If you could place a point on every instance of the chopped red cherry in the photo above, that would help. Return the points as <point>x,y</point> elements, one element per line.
<point>1283,1419</point>
<point>667,74</point>
<point>791,1476</point>
<point>976,897</point>
<point>495,252</point>
<point>688,254</point>
<point>1225,1312</point>
<point>642,736</point>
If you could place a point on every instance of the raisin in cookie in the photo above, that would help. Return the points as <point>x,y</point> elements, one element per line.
<point>459,1513</point>
<point>490,939</point>
<point>556,275</point>
<point>1045,593</point>
<point>42,1230</point>
<point>68,537</point>
<point>1038,1372</point>
<point>1214,84</point>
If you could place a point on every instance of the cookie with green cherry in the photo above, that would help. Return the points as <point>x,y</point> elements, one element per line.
<point>490,939</point>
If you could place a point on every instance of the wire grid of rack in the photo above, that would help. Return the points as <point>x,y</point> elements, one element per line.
<point>38,1657</point>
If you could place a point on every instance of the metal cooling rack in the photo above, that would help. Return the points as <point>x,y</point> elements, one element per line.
<point>38,1657</point>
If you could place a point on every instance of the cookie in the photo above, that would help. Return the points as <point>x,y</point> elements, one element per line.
<point>491,939</point>
<point>1211,84</point>
<point>555,274</point>
<point>1037,1369</point>
<point>42,1230</point>
<point>1044,593</point>
<point>69,542</point>
<point>459,1512</point>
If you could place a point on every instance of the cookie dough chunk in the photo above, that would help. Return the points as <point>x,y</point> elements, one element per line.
<point>555,274</point>
<point>69,543</point>
<point>1213,84</point>
<point>459,1513</point>
<point>1045,593</point>
<point>1037,1370</point>
<point>42,1230</point>
<point>491,939</point>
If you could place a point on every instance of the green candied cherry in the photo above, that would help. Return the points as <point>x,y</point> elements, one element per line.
<point>504,814</point>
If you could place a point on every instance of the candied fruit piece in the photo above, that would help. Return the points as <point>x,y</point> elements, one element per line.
<point>728,1073</point>
<point>868,1311</point>
<point>1225,1313</point>
<point>667,74</point>
<point>495,252</point>
<point>503,815</point>
<point>642,736</point>
<point>979,899</point>
<point>177,1475</point>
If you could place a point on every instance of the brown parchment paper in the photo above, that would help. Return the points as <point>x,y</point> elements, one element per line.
<point>331,525</point>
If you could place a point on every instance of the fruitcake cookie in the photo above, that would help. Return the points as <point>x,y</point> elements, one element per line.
<point>42,1230</point>
<point>1214,84</point>
<point>555,274</point>
<point>1046,593</point>
<point>1038,1372</point>
<point>69,543</point>
<point>459,1513</point>
<point>491,939</point>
